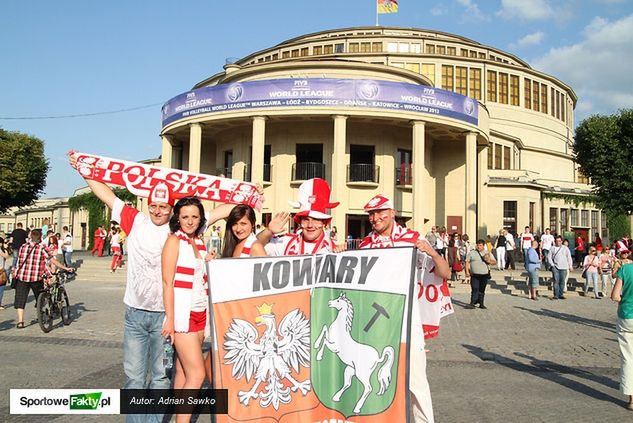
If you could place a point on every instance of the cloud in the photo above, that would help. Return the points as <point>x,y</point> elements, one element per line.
<point>597,67</point>
<point>529,40</point>
<point>472,11</point>
<point>527,10</point>
<point>437,11</point>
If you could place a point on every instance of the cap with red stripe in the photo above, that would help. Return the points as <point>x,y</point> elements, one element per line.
<point>161,193</point>
<point>314,199</point>
<point>379,202</point>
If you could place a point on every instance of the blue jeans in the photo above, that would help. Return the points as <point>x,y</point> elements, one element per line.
<point>592,277</point>
<point>68,258</point>
<point>559,281</point>
<point>3,286</point>
<point>143,354</point>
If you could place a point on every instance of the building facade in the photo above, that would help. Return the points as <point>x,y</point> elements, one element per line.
<point>459,134</point>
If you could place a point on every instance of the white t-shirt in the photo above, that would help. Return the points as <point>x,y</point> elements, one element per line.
<point>526,240</point>
<point>68,242</point>
<point>115,240</point>
<point>547,241</point>
<point>145,241</point>
<point>509,242</point>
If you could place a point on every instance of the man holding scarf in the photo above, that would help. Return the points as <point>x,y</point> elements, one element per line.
<point>432,272</point>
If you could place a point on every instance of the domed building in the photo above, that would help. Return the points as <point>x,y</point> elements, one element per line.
<point>459,134</point>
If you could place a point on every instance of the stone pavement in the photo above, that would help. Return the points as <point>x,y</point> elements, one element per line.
<point>519,361</point>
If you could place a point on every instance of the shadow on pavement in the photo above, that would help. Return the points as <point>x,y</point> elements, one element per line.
<point>552,372</point>
<point>572,318</point>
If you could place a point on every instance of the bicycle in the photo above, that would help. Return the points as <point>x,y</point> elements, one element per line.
<point>53,302</point>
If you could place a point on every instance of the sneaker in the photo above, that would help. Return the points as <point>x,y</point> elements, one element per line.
<point>469,306</point>
<point>483,307</point>
<point>2,307</point>
<point>562,297</point>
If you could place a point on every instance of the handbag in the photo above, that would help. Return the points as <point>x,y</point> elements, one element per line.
<point>3,277</point>
<point>457,266</point>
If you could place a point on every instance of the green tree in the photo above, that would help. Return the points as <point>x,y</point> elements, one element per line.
<point>23,169</point>
<point>604,150</point>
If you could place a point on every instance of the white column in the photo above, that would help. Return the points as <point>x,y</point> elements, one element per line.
<point>470,211</point>
<point>339,172</point>
<point>482,193</point>
<point>195,147</point>
<point>166,157</point>
<point>258,142</point>
<point>420,177</point>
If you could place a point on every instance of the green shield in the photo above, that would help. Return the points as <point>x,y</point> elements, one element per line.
<point>355,348</point>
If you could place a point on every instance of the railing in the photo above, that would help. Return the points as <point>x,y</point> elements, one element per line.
<point>307,170</point>
<point>362,172</point>
<point>404,174</point>
<point>352,244</point>
<point>267,170</point>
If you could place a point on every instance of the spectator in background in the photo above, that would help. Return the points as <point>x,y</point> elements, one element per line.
<point>591,267</point>
<point>597,241</point>
<point>432,235</point>
<point>526,241</point>
<point>17,239</point>
<point>45,227</point>
<point>623,294</point>
<point>99,238</point>
<point>454,260</point>
<point>67,250</point>
<point>547,240</point>
<point>334,235</point>
<point>606,266</point>
<point>533,265</point>
<point>478,263</point>
<point>580,250</point>
<point>441,241</point>
<point>562,263</point>
<point>5,258</point>
<point>489,245</point>
<point>623,258</point>
<point>501,250</point>
<point>510,246</point>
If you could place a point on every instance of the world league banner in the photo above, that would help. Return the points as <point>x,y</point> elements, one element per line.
<point>140,178</point>
<point>314,338</point>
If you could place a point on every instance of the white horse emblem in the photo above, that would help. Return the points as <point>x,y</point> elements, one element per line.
<point>360,359</point>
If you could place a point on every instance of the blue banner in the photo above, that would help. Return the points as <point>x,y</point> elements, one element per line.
<point>321,92</point>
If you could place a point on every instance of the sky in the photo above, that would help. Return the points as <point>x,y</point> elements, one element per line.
<point>69,58</point>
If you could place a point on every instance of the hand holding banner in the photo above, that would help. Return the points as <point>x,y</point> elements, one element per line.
<point>139,178</point>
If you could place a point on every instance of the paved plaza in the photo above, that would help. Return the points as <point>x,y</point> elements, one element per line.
<point>517,361</point>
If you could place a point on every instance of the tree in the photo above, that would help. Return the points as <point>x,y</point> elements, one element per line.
<point>23,169</point>
<point>604,150</point>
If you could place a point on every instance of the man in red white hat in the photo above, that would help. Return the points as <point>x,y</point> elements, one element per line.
<point>433,295</point>
<point>144,309</point>
<point>312,217</point>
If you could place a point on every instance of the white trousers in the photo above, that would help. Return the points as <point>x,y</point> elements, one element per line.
<point>625,340</point>
<point>501,257</point>
<point>421,404</point>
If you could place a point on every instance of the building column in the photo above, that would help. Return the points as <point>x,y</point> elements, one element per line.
<point>421,178</point>
<point>470,210</point>
<point>482,193</point>
<point>258,143</point>
<point>166,157</point>
<point>339,174</point>
<point>195,147</point>
<point>257,159</point>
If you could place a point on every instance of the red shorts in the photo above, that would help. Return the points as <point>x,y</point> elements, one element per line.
<point>197,321</point>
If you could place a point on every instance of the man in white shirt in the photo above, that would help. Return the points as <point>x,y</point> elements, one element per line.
<point>547,241</point>
<point>526,242</point>
<point>510,246</point>
<point>67,247</point>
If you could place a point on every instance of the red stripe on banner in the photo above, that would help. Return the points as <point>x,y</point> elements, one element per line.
<point>184,270</point>
<point>183,284</point>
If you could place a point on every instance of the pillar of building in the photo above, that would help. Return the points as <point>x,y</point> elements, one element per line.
<point>482,194</point>
<point>257,155</point>
<point>339,172</point>
<point>421,179</point>
<point>195,147</point>
<point>166,156</point>
<point>470,210</point>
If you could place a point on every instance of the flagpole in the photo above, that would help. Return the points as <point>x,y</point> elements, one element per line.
<point>376,12</point>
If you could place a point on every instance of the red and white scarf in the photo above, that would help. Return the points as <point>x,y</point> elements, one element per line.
<point>296,245</point>
<point>246,249</point>
<point>140,178</point>
<point>184,280</point>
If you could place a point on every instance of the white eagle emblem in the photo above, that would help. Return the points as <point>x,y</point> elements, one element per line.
<point>272,358</point>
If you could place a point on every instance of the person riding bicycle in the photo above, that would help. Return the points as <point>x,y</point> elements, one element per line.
<point>29,272</point>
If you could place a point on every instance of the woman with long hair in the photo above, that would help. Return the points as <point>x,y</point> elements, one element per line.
<point>5,259</point>
<point>239,236</point>
<point>185,293</point>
